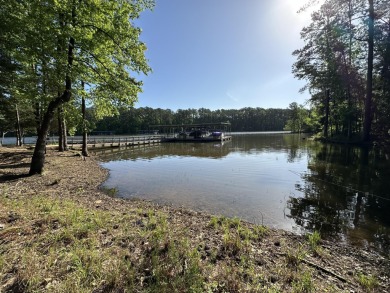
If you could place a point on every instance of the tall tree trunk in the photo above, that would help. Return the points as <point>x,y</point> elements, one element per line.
<point>2,137</point>
<point>370,61</point>
<point>61,146</point>
<point>38,159</point>
<point>326,122</point>
<point>64,131</point>
<point>385,79</point>
<point>84,150</point>
<point>328,81</point>
<point>350,105</point>
<point>18,128</point>
<point>36,105</point>
<point>37,116</point>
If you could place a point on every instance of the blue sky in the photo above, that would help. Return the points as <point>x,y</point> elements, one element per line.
<point>221,54</point>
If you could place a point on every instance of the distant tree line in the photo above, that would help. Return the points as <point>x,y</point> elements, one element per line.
<point>346,63</point>
<point>134,120</point>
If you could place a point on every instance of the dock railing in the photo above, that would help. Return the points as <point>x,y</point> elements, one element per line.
<point>121,140</point>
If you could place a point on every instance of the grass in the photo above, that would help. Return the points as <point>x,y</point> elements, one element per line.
<point>303,284</point>
<point>74,249</point>
<point>64,238</point>
<point>369,283</point>
<point>295,255</point>
<point>169,262</point>
<point>313,240</point>
<point>237,237</point>
<point>256,232</point>
<point>58,245</point>
<point>111,192</point>
<point>70,248</point>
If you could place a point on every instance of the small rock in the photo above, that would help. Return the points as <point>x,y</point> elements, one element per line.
<point>57,181</point>
<point>2,226</point>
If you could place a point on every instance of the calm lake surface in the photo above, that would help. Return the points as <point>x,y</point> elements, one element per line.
<point>279,180</point>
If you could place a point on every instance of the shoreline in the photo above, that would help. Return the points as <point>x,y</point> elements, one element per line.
<point>160,246</point>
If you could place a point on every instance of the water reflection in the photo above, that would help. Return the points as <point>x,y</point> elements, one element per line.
<point>205,150</point>
<point>284,181</point>
<point>345,195</point>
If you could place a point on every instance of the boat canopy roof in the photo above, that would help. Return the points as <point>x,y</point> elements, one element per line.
<point>199,125</point>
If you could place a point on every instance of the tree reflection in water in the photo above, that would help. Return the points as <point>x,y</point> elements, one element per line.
<point>346,195</point>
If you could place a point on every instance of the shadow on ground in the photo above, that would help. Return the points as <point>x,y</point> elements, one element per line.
<point>11,161</point>
<point>12,177</point>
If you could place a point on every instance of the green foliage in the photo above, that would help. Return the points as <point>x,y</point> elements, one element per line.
<point>232,244</point>
<point>70,44</point>
<point>331,62</point>
<point>314,239</point>
<point>259,231</point>
<point>302,119</point>
<point>369,283</point>
<point>245,233</point>
<point>214,222</point>
<point>304,284</point>
<point>294,256</point>
<point>169,262</point>
<point>111,192</point>
<point>237,237</point>
<point>298,115</point>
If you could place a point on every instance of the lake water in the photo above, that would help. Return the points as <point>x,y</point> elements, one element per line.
<point>279,180</point>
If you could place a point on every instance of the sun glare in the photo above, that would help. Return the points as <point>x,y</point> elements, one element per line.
<point>293,6</point>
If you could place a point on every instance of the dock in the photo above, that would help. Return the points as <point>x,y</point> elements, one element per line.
<point>201,132</point>
<point>184,133</point>
<point>117,142</point>
<point>199,139</point>
<point>110,142</point>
